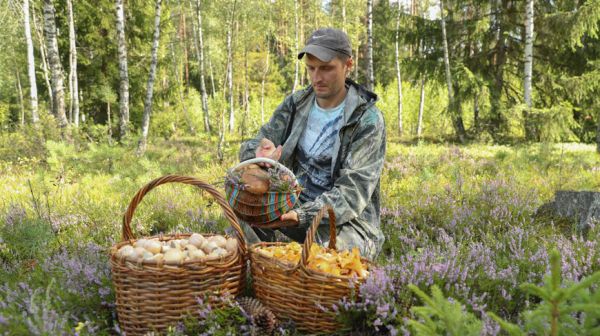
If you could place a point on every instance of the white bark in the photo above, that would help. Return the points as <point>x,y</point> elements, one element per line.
<point>370,71</point>
<point>123,72</point>
<point>40,35</point>
<point>344,16</point>
<point>73,83</point>
<point>202,71</point>
<point>21,103</point>
<point>262,86</point>
<point>230,69</point>
<point>296,47</point>
<point>56,70</point>
<point>421,106</point>
<point>33,96</point>
<point>151,78</point>
<point>529,14</point>
<point>398,73</point>
<point>446,56</point>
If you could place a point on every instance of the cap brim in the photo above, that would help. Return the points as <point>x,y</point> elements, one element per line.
<point>322,53</point>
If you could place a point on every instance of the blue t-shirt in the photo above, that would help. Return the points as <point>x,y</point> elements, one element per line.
<point>315,150</point>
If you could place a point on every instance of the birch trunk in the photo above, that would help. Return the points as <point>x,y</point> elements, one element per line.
<point>150,86</point>
<point>58,91</point>
<point>202,71</point>
<point>344,16</point>
<point>421,106</point>
<point>453,105</point>
<point>73,82</point>
<point>123,73</point>
<point>398,73</point>
<point>21,103</point>
<point>296,47</point>
<point>230,68</point>
<point>246,92</point>
<point>33,96</point>
<point>40,35</point>
<point>109,121</point>
<point>262,86</point>
<point>529,14</point>
<point>370,74</point>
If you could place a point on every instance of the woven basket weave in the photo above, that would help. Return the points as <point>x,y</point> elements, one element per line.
<point>260,210</point>
<point>151,296</point>
<point>299,293</point>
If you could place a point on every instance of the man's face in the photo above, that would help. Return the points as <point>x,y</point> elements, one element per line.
<point>327,78</point>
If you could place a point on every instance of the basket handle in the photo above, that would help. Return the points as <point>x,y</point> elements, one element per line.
<point>265,160</point>
<point>128,233</point>
<point>310,235</point>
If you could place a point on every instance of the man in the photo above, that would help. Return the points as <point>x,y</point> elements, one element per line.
<point>333,138</point>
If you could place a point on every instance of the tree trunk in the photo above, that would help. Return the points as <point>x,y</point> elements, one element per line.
<point>246,92</point>
<point>370,71</point>
<point>109,123</point>
<point>150,86</point>
<point>230,67</point>
<point>421,106</point>
<point>262,86</point>
<point>453,104</point>
<point>43,54</point>
<point>33,97</point>
<point>529,15</point>
<point>344,16</point>
<point>123,73</point>
<point>58,91</point>
<point>476,112</point>
<point>398,73</point>
<point>185,49</point>
<point>73,82</point>
<point>296,47</point>
<point>21,103</point>
<point>202,71</point>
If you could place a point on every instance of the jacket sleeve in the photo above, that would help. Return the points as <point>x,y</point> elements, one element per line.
<point>359,174</point>
<point>274,130</point>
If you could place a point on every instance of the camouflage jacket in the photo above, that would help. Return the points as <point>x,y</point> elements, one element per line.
<point>358,157</point>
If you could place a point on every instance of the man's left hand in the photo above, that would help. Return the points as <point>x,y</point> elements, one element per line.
<point>290,216</point>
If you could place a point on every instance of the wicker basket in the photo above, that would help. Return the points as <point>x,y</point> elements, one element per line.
<point>260,210</point>
<point>299,293</point>
<point>151,296</point>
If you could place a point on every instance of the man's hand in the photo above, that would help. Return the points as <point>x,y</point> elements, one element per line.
<point>266,148</point>
<point>290,216</point>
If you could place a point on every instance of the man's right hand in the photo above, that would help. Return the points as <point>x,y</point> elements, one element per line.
<point>266,148</point>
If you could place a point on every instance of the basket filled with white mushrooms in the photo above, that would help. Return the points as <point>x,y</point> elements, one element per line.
<point>159,280</point>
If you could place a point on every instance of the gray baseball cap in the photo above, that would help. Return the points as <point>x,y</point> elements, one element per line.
<point>327,43</point>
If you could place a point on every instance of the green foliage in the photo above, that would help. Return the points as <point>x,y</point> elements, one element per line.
<point>440,316</point>
<point>24,238</point>
<point>565,309</point>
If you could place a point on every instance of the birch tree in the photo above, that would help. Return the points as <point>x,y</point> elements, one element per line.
<point>30,66</point>
<point>453,105</point>
<point>150,85</point>
<point>296,47</point>
<point>398,73</point>
<point>55,66</point>
<point>370,74</point>
<point>73,83</point>
<point>230,66</point>
<point>262,83</point>
<point>528,66</point>
<point>123,73</point>
<point>43,56</point>
<point>200,53</point>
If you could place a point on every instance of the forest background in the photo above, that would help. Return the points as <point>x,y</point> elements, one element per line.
<point>491,107</point>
